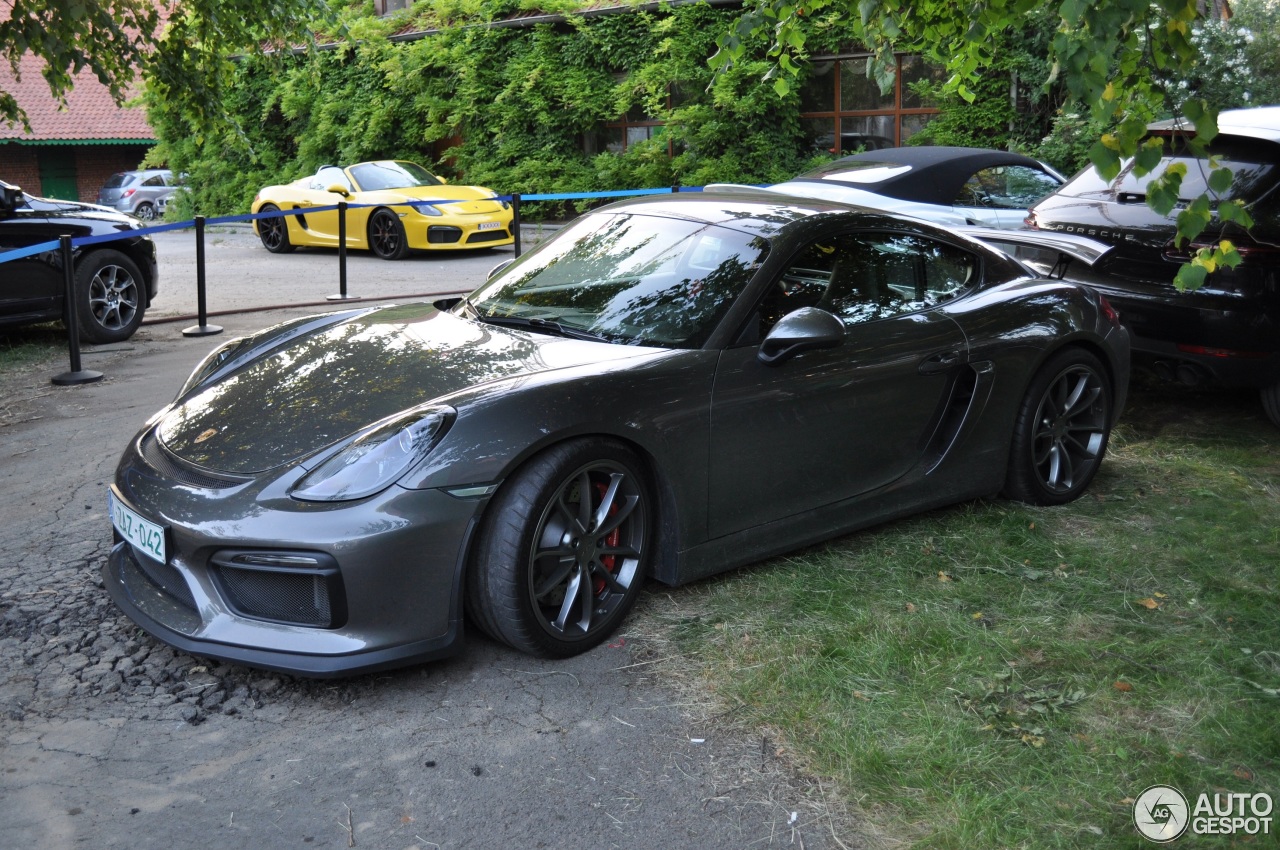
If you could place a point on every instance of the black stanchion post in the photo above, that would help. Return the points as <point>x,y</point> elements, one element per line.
<point>76,375</point>
<point>204,328</point>
<point>342,257</point>
<point>515,220</point>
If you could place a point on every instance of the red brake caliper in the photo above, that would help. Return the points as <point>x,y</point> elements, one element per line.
<point>609,562</point>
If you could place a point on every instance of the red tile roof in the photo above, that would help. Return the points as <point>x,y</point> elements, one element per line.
<point>90,115</point>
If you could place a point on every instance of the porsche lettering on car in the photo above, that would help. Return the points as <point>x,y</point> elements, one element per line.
<point>394,207</point>
<point>666,389</point>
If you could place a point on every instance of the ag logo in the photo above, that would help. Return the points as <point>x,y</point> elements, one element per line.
<point>1160,813</point>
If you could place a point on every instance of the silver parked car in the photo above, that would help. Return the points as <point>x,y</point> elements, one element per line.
<point>669,388</point>
<point>140,193</point>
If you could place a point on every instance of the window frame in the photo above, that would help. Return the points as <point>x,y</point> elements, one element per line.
<point>837,113</point>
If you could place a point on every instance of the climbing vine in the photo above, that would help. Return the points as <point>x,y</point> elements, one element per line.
<point>512,108</point>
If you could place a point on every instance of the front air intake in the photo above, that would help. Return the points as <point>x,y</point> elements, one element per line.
<point>295,588</point>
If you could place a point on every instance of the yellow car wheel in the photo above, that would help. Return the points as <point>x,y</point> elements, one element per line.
<point>273,232</point>
<point>386,236</point>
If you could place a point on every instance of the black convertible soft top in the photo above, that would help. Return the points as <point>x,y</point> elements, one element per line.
<point>934,175</point>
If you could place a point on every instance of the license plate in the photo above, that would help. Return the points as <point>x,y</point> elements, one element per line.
<point>142,533</point>
<point>490,225</point>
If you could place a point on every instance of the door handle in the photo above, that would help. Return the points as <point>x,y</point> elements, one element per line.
<point>940,362</point>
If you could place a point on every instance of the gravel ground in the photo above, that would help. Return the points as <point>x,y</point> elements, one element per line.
<point>109,738</point>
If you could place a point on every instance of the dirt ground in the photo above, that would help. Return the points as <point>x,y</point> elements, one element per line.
<point>109,738</point>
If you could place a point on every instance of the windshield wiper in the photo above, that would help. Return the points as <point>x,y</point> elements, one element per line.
<point>535,323</point>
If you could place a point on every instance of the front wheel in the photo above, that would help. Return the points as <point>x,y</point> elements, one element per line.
<point>1271,402</point>
<point>386,236</point>
<point>110,296</point>
<point>1061,431</point>
<point>564,549</point>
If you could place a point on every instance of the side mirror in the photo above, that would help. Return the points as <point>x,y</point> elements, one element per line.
<point>499,267</point>
<point>10,197</point>
<point>442,180</point>
<point>339,189</point>
<point>806,329</point>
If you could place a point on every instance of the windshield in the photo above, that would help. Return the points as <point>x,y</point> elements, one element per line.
<point>1252,164</point>
<point>372,176</point>
<point>634,279</point>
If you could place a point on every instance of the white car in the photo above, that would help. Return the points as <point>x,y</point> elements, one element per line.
<point>945,185</point>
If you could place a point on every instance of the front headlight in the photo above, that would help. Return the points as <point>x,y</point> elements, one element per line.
<point>376,458</point>
<point>427,209</point>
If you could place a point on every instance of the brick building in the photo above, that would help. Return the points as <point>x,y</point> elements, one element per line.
<point>71,151</point>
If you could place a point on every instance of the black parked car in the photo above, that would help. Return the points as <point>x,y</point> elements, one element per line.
<point>1228,331</point>
<point>115,281</point>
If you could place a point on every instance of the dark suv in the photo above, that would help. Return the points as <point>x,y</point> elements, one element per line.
<point>115,281</point>
<point>1228,331</point>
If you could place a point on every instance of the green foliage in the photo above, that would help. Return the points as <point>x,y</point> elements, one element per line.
<point>1117,58</point>
<point>185,61</point>
<point>515,109</point>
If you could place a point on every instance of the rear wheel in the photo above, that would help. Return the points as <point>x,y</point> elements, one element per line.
<point>1271,402</point>
<point>1061,432</point>
<point>145,211</point>
<point>274,232</point>
<point>110,296</point>
<point>386,236</point>
<point>564,549</point>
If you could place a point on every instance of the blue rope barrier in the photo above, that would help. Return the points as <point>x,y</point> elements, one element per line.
<point>52,245</point>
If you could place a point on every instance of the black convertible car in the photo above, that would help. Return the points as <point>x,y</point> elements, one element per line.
<point>1228,331</point>
<point>115,281</point>
<point>668,388</point>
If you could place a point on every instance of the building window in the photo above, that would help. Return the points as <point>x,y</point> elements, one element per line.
<point>843,110</point>
<point>386,7</point>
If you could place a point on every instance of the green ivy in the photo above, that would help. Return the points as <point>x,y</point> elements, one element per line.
<point>505,107</point>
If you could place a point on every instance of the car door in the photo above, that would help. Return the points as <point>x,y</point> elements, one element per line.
<point>1000,196</point>
<point>832,424</point>
<point>31,285</point>
<point>323,226</point>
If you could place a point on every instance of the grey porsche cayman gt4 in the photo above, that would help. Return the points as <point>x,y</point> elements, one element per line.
<point>669,388</point>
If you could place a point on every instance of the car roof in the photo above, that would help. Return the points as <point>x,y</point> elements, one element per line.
<point>747,209</point>
<point>1259,122</point>
<point>925,174</point>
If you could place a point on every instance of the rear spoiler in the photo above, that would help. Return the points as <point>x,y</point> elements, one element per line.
<point>1047,253</point>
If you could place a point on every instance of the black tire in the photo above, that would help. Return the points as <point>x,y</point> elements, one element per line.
<point>1271,402</point>
<point>386,236</point>
<point>145,211</point>
<point>111,296</point>
<point>553,576</point>
<point>274,232</point>
<point>1061,431</point>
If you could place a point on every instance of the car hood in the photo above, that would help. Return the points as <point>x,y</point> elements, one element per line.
<point>320,388</point>
<point>464,199</point>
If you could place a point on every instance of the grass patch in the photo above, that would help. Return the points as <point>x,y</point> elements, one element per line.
<point>23,346</point>
<point>996,676</point>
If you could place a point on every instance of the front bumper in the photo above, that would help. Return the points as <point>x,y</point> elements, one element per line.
<point>399,555</point>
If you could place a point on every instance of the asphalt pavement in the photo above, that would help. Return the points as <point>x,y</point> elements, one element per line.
<point>109,738</point>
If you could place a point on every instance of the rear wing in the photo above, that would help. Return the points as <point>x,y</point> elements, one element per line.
<point>1047,253</point>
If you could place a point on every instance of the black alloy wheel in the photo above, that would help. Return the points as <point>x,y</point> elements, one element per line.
<point>111,296</point>
<point>1061,433</point>
<point>564,549</point>
<point>274,232</point>
<point>386,236</point>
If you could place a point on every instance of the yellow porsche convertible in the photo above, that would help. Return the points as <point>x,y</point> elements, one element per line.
<point>386,215</point>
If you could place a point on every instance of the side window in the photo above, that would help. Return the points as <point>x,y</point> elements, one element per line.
<point>1006,187</point>
<point>154,180</point>
<point>862,277</point>
<point>328,176</point>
